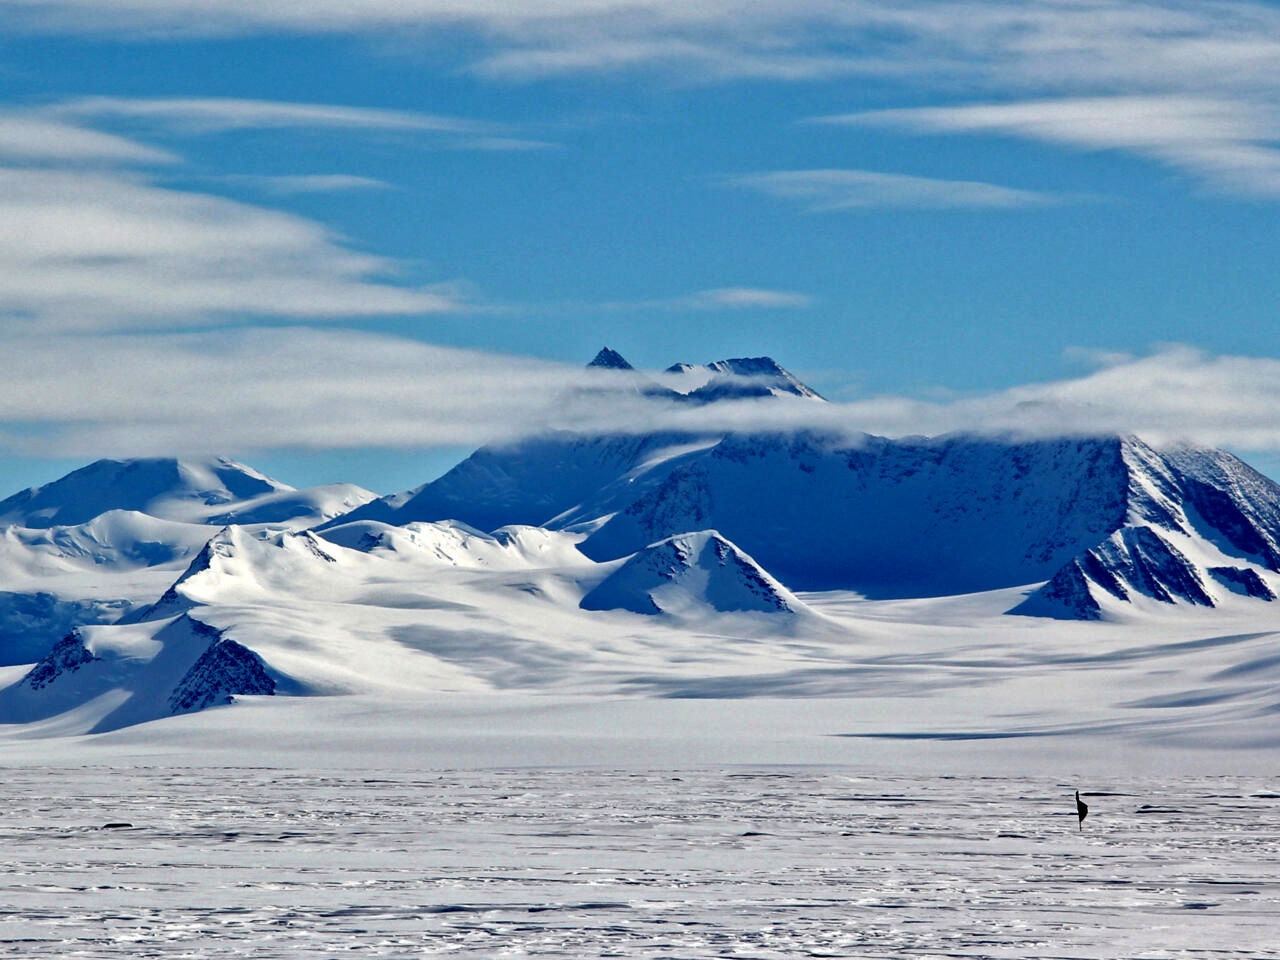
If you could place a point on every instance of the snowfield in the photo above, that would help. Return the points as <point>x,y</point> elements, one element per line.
<point>734,862</point>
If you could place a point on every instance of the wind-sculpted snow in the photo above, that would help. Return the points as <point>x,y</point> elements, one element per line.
<point>690,573</point>
<point>748,861</point>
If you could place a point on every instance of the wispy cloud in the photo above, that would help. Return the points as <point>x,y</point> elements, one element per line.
<point>307,183</point>
<point>1033,44</point>
<point>829,190</point>
<point>1148,76</point>
<point>89,240</point>
<point>1230,143</point>
<point>32,138</point>
<point>215,115</point>
<point>711,299</point>
<point>89,249</point>
<point>744,298</point>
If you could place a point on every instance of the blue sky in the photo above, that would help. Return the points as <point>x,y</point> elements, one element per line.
<point>352,241</point>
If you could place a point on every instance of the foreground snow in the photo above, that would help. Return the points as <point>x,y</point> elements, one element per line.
<point>751,862</point>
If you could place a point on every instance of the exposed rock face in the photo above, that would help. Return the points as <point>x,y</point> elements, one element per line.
<point>1244,581</point>
<point>689,573</point>
<point>1207,500</point>
<point>610,359</point>
<point>225,669</point>
<point>1135,560</point>
<point>67,656</point>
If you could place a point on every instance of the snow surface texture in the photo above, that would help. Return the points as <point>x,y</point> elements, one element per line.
<point>770,863</point>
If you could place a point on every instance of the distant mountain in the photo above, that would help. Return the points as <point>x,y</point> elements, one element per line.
<point>1200,525</point>
<point>609,359</point>
<point>912,517</point>
<point>744,378</point>
<point>100,542</point>
<point>185,490</point>
<point>691,573</point>
<point>563,479</point>
<point>210,491</point>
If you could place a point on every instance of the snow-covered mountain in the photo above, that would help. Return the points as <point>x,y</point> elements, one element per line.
<point>691,573</point>
<point>184,490</point>
<point>136,674</point>
<point>679,564</point>
<point>100,542</point>
<point>910,517</point>
<point>739,379</point>
<point>1199,526</point>
<point>212,491</point>
<point>564,479</point>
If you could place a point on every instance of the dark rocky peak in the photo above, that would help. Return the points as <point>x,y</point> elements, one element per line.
<point>610,359</point>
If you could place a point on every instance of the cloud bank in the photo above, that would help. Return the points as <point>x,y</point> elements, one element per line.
<point>258,389</point>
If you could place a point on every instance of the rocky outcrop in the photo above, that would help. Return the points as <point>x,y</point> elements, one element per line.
<point>224,670</point>
<point>67,656</point>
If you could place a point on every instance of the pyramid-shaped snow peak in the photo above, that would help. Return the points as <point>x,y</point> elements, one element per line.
<point>691,574</point>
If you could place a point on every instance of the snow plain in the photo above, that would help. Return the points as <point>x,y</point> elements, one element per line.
<point>762,863</point>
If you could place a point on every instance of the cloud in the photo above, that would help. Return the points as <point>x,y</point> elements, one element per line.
<point>714,298</point>
<point>31,138</point>
<point>820,191</point>
<point>1189,83</point>
<point>255,389</point>
<point>212,115</point>
<point>220,114</point>
<point>85,249</point>
<point>740,298</point>
<point>1226,142</point>
<point>307,183</point>
<point>1033,44</point>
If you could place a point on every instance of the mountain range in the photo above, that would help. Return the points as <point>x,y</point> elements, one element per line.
<point>136,589</point>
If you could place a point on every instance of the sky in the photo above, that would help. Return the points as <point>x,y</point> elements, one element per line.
<point>354,241</point>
